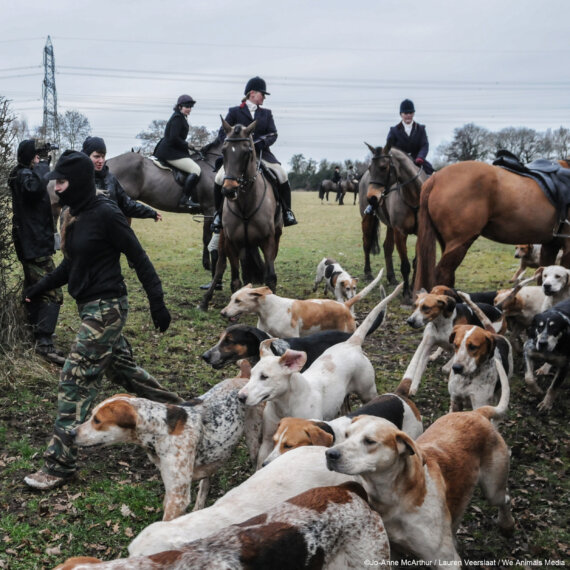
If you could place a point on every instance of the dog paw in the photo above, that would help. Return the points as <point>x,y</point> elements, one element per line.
<point>546,404</point>
<point>533,387</point>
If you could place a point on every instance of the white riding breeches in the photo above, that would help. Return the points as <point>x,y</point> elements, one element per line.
<point>276,168</point>
<point>186,164</point>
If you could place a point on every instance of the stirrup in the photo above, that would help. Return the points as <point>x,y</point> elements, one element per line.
<point>289,218</point>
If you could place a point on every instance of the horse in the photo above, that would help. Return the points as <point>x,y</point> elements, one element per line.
<point>156,186</point>
<point>349,186</point>
<point>391,189</point>
<point>250,216</point>
<point>469,199</point>
<point>327,186</point>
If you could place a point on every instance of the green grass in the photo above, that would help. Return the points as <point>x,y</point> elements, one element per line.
<point>89,516</point>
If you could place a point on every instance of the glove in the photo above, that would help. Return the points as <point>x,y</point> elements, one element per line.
<point>419,161</point>
<point>160,317</point>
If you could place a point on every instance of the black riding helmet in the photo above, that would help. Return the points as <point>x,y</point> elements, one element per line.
<point>407,106</point>
<point>185,100</point>
<point>256,84</point>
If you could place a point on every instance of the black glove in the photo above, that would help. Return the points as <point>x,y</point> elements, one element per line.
<point>32,291</point>
<point>160,317</point>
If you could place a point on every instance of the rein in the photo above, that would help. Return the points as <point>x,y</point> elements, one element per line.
<point>243,181</point>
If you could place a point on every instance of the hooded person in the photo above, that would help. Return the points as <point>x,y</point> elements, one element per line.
<point>33,236</point>
<point>107,184</point>
<point>94,235</point>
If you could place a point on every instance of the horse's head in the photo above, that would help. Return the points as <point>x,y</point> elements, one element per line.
<point>239,156</point>
<point>383,173</point>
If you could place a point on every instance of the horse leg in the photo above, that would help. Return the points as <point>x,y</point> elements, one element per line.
<point>269,249</point>
<point>548,253</point>
<point>450,259</point>
<point>367,244</point>
<point>218,274</point>
<point>233,256</point>
<point>206,237</point>
<point>388,247</point>
<point>402,247</point>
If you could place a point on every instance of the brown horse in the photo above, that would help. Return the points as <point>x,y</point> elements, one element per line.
<point>144,181</point>
<point>390,188</point>
<point>249,217</point>
<point>469,199</point>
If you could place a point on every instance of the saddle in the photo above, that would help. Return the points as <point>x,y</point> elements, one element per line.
<point>553,180</point>
<point>272,179</point>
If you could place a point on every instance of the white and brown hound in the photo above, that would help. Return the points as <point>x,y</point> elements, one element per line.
<point>282,317</point>
<point>421,488</point>
<point>186,442</point>
<point>338,281</point>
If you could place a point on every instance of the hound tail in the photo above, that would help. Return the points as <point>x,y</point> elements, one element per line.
<point>488,325</point>
<point>365,291</point>
<point>360,333</point>
<point>500,410</point>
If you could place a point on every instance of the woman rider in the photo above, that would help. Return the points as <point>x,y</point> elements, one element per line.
<point>264,135</point>
<point>173,149</point>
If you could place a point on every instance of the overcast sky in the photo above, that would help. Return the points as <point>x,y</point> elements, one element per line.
<point>336,69</point>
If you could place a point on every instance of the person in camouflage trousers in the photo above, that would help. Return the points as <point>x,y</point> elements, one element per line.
<point>94,236</point>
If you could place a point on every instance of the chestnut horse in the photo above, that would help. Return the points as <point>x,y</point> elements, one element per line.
<point>469,199</point>
<point>248,217</point>
<point>390,188</point>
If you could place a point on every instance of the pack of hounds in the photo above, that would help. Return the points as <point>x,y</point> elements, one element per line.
<point>335,488</point>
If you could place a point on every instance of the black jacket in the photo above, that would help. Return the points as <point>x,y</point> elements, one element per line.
<point>112,189</point>
<point>416,144</point>
<point>173,145</point>
<point>32,221</point>
<point>93,246</point>
<point>240,115</point>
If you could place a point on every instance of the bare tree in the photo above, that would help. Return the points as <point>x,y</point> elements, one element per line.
<point>559,143</point>
<point>198,136</point>
<point>74,128</point>
<point>470,142</point>
<point>523,142</point>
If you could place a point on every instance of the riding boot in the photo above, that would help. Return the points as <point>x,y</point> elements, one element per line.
<point>285,195</point>
<point>218,204</point>
<point>186,200</point>
<point>44,328</point>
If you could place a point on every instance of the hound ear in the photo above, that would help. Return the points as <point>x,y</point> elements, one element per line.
<point>244,368</point>
<point>318,436</point>
<point>226,125</point>
<point>249,129</point>
<point>538,275</point>
<point>491,339</point>
<point>405,444</point>
<point>452,336</point>
<point>448,304</point>
<point>293,360</point>
<point>265,348</point>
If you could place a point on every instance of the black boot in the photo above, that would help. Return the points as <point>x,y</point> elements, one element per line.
<point>214,259</point>
<point>218,204</point>
<point>44,327</point>
<point>186,200</point>
<point>285,195</point>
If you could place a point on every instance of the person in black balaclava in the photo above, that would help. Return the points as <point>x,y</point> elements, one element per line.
<point>94,235</point>
<point>33,234</point>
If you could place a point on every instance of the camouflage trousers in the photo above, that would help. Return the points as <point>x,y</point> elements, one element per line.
<point>99,348</point>
<point>34,270</point>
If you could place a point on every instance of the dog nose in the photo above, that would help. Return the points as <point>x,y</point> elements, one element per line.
<point>206,356</point>
<point>546,287</point>
<point>72,433</point>
<point>457,368</point>
<point>242,397</point>
<point>541,345</point>
<point>332,454</point>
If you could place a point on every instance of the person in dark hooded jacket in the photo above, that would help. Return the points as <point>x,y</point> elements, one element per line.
<point>105,181</point>
<point>33,235</point>
<point>94,235</point>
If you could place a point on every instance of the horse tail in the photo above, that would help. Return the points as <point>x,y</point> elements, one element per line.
<point>252,266</point>
<point>425,244</point>
<point>375,236</point>
<point>321,191</point>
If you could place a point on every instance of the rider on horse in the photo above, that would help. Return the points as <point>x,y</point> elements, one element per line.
<point>410,136</point>
<point>264,135</point>
<point>173,149</point>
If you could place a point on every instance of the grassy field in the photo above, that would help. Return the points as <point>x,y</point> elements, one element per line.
<point>118,492</point>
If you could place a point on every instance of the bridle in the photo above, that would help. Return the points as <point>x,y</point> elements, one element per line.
<point>398,185</point>
<point>243,180</point>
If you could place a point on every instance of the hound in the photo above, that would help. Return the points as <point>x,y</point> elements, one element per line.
<point>281,317</point>
<point>297,432</point>
<point>186,442</point>
<point>555,282</point>
<point>338,281</point>
<point>439,314</point>
<point>287,476</point>
<point>242,341</point>
<point>549,341</point>
<point>319,392</point>
<point>529,255</point>
<point>326,527</point>
<point>421,488</point>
